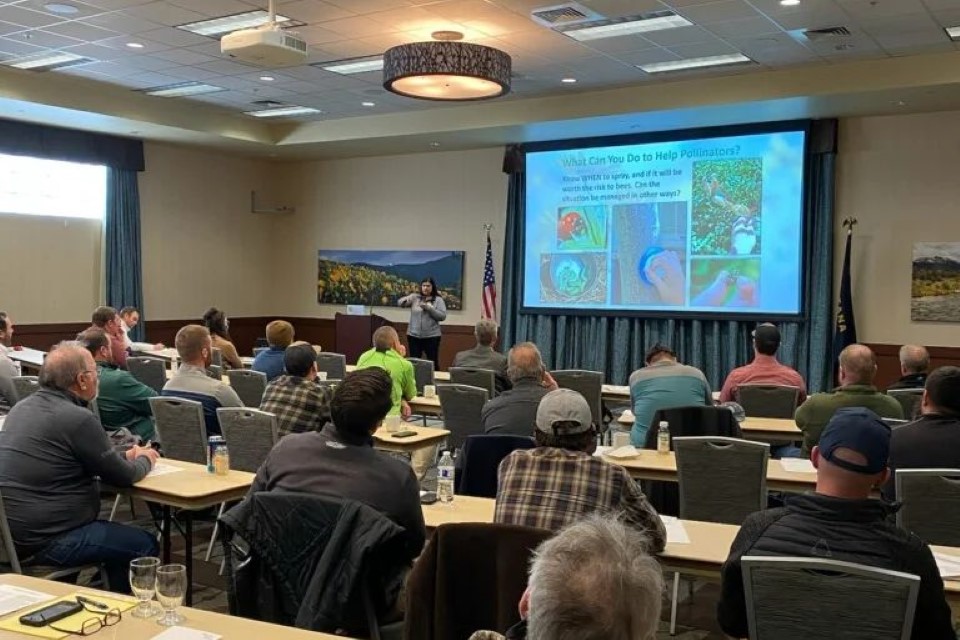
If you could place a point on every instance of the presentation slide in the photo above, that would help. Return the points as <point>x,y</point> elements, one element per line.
<point>706,226</point>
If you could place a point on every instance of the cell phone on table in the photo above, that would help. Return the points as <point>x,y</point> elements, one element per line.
<point>404,434</point>
<point>51,613</point>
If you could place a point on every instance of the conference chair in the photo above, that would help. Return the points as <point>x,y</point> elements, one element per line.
<point>216,357</point>
<point>181,428</point>
<point>481,461</point>
<point>258,350</point>
<point>26,385</point>
<point>768,400</point>
<point>460,405</point>
<point>909,400</point>
<point>335,364</point>
<point>803,598</point>
<point>721,480</point>
<point>215,371</point>
<point>930,498</point>
<point>475,377</point>
<point>150,371</point>
<point>589,384</point>
<point>249,385</point>
<point>422,373</point>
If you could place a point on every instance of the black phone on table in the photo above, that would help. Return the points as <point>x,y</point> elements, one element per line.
<point>51,613</point>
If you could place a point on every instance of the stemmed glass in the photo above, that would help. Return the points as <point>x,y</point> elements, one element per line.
<point>171,588</point>
<point>143,582</point>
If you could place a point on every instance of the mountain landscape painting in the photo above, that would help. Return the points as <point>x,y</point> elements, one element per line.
<point>381,278</point>
<point>935,295</point>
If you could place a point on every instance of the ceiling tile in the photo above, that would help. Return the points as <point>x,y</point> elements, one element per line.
<point>46,39</point>
<point>165,13</point>
<point>703,49</point>
<point>872,9</point>
<point>683,35</point>
<point>122,22</point>
<point>18,47</point>
<point>226,67</point>
<point>175,37</point>
<point>213,8</point>
<point>312,11</point>
<point>81,31</point>
<point>111,5</point>
<point>355,27</point>
<point>83,9</point>
<point>718,11</point>
<point>27,18</point>
<point>747,28</point>
<point>620,44</point>
<point>361,7</point>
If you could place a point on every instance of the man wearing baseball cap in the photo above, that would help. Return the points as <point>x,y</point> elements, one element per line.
<point>840,521</point>
<point>765,368</point>
<point>561,480</point>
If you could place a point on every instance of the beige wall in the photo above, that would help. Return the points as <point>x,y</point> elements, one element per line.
<point>898,176</point>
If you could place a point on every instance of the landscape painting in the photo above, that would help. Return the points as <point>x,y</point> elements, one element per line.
<point>381,278</point>
<point>935,295</point>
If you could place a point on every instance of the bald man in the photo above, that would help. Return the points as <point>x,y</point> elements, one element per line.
<point>514,412</point>
<point>858,368</point>
<point>388,354</point>
<point>914,362</point>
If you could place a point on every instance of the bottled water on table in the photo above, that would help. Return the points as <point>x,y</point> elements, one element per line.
<point>445,473</point>
<point>663,437</point>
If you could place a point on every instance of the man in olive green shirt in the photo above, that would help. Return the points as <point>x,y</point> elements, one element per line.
<point>858,367</point>
<point>387,353</point>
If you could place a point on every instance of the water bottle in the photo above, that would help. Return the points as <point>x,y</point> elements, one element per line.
<point>445,473</point>
<point>221,460</point>
<point>173,364</point>
<point>663,437</point>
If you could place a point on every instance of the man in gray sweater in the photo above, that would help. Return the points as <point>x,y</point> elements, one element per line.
<point>53,450</point>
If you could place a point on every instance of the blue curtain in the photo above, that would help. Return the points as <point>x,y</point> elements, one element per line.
<point>122,235</point>
<point>616,345</point>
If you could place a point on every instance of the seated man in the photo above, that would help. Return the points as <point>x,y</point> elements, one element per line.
<point>279,337</point>
<point>8,368</point>
<point>483,355</point>
<point>663,384</point>
<point>123,401</point>
<point>191,381</point>
<point>514,412</point>
<point>561,480</point>
<point>765,368</point>
<point>130,318</point>
<point>840,521</point>
<point>299,403</point>
<point>594,580</point>
<point>914,362</point>
<point>106,318</point>
<point>387,353</point>
<point>340,460</point>
<point>933,441</point>
<point>857,371</point>
<point>52,452</point>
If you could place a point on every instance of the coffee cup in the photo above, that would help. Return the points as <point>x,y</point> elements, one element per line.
<point>322,375</point>
<point>429,391</point>
<point>392,424</point>
<point>621,439</point>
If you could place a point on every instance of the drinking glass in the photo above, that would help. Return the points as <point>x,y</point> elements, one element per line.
<point>143,582</point>
<point>171,587</point>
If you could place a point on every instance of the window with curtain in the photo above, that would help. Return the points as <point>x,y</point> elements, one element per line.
<point>40,187</point>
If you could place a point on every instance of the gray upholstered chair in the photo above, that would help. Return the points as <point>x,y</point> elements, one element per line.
<point>461,405</point>
<point>249,385</point>
<point>334,364</point>
<point>909,400</point>
<point>181,428</point>
<point>931,504</point>
<point>150,371</point>
<point>26,385</point>
<point>589,384</point>
<point>802,598</point>
<point>768,400</point>
<point>475,377</point>
<point>422,373</point>
<point>215,371</point>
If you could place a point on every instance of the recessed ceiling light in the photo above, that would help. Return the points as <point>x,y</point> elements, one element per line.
<point>353,65</point>
<point>182,89</point>
<point>953,32</point>
<point>434,144</point>
<point>569,80</point>
<point>368,104</point>
<point>267,78</point>
<point>48,61</point>
<point>789,3</point>
<point>695,63</point>
<point>288,110</point>
<point>217,27</point>
<point>657,21</point>
<point>61,8</point>
<point>135,45</point>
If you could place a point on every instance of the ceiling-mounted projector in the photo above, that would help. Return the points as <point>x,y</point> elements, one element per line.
<point>268,45</point>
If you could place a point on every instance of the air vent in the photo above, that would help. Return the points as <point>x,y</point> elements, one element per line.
<point>564,14</point>
<point>830,32</point>
<point>268,104</point>
<point>294,42</point>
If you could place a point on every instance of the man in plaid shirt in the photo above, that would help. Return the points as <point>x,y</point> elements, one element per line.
<point>560,481</point>
<point>299,403</point>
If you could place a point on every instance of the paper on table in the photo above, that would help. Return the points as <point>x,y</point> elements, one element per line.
<point>162,469</point>
<point>798,465</point>
<point>627,451</point>
<point>676,532</point>
<point>13,598</point>
<point>185,633</point>
<point>602,450</point>
<point>948,565</point>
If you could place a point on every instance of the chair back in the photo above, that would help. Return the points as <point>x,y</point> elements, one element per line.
<point>181,428</point>
<point>481,460</point>
<point>258,350</point>
<point>930,498</point>
<point>909,400</point>
<point>249,385</point>
<point>422,373</point>
<point>802,598</point>
<point>721,479</point>
<point>215,371</point>
<point>335,364</point>
<point>475,377</point>
<point>8,552</point>
<point>589,384</point>
<point>768,400</point>
<point>250,435</point>
<point>150,371</point>
<point>25,385</point>
<point>216,357</point>
<point>461,405</point>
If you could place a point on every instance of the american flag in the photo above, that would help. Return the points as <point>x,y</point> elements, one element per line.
<point>489,286</point>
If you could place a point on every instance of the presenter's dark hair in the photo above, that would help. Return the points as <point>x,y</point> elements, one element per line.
<point>434,292</point>
<point>216,321</point>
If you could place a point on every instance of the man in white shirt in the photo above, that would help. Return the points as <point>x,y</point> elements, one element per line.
<point>129,318</point>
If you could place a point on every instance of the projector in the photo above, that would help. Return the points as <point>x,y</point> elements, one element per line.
<point>271,47</point>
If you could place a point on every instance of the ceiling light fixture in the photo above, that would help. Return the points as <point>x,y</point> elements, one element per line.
<point>267,78</point>
<point>61,8</point>
<point>368,104</point>
<point>217,27</point>
<point>182,89</point>
<point>656,21</point>
<point>349,66</point>
<point>569,80</point>
<point>48,61</point>
<point>695,63</point>
<point>789,3</point>
<point>135,45</point>
<point>446,69</point>
<point>953,32</point>
<point>287,110</point>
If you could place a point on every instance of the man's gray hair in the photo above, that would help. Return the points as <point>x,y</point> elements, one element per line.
<point>486,332</point>
<point>62,365</point>
<point>595,580</point>
<point>914,358</point>
<point>524,361</point>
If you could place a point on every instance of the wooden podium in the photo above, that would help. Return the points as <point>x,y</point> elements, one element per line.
<point>354,333</point>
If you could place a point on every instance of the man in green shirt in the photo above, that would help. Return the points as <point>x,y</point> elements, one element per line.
<point>858,367</point>
<point>123,401</point>
<point>387,353</point>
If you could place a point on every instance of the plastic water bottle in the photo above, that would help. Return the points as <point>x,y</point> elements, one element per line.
<point>663,437</point>
<point>445,473</point>
<point>174,364</point>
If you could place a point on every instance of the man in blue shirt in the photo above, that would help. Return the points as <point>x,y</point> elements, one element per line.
<point>279,337</point>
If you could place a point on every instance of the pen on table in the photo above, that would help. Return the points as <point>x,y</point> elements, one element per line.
<point>92,603</point>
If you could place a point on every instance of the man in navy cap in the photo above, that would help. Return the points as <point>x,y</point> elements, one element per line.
<point>840,521</point>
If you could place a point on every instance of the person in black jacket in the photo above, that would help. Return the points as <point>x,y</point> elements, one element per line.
<point>840,522</point>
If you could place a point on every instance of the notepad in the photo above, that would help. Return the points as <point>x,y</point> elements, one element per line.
<point>185,633</point>
<point>162,469</point>
<point>798,465</point>
<point>676,532</point>
<point>948,565</point>
<point>13,598</point>
<point>627,451</point>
